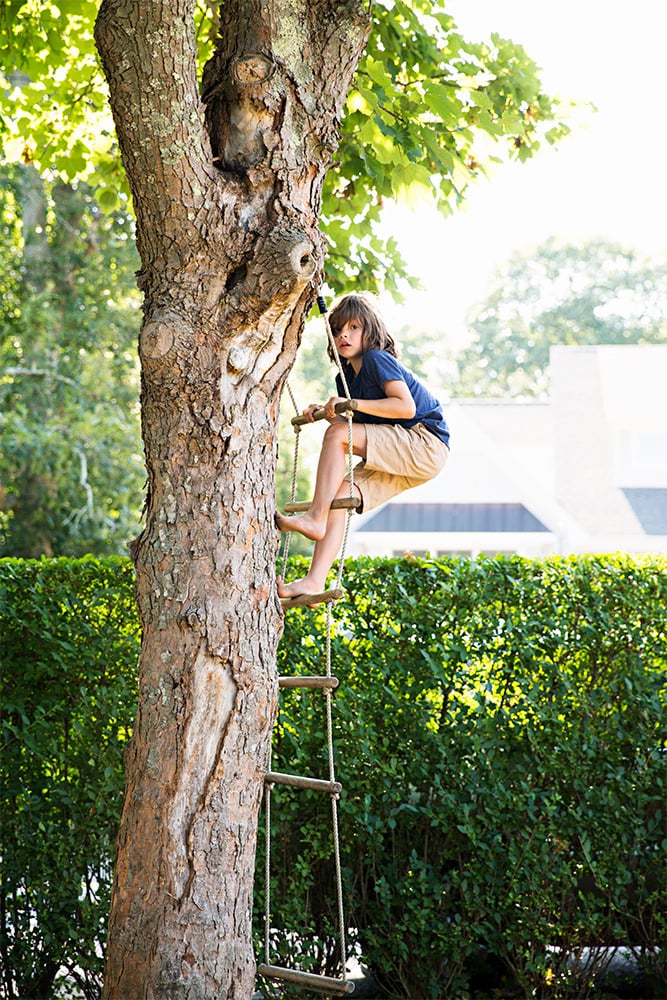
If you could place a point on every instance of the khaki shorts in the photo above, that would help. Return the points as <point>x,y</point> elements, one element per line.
<point>397,458</point>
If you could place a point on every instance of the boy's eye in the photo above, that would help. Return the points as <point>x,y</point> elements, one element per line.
<point>352,325</point>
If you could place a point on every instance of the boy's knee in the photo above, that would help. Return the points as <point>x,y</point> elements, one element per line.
<point>337,432</point>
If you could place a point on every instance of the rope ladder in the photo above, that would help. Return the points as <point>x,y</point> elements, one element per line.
<point>327,683</point>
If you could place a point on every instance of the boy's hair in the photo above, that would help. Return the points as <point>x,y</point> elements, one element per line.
<point>376,335</point>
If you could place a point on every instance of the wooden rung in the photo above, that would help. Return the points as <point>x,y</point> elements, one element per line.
<point>297,781</point>
<point>341,408</point>
<point>342,503</point>
<point>326,984</point>
<point>306,600</point>
<point>308,682</point>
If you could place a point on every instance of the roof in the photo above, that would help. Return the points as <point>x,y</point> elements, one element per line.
<point>650,508</point>
<point>453,517</point>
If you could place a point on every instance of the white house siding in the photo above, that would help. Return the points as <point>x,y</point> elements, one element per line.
<point>590,463</point>
<point>379,543</point>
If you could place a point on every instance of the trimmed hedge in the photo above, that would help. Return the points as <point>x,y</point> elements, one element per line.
<point>70,641</point>
<point>500,739</point>
<point>500,742</point>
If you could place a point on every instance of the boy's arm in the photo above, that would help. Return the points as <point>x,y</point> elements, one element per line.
<point>397,404</point>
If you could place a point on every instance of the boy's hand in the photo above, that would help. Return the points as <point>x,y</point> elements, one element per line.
<point>330,408</point>
<point>309,412</point>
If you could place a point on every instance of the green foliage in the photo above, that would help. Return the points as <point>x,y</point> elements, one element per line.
<point>597,293</point>
<point>54,108</point>
<point>499,730</point>
<point>500,743</point>
<point>427,110</point>
<point>71,465</point>
<point>70,644</point>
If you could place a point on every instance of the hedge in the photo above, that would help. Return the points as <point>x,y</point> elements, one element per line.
<point>69,648</point>
<point>501,747</point>
<point>499,728</point>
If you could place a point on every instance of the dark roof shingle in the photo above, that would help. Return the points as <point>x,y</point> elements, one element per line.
<point>453,517</point>
<point>650,507</point>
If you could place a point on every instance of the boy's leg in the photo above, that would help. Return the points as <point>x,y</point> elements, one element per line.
<point>331,468</point>
<point>325,551</point>
<point>329,484</point>
<point>397,459</point>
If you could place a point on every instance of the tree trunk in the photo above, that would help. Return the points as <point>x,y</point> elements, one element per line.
<point>227,205</point>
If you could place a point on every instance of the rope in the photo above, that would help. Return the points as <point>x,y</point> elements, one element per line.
<point>295,466</point>
<point>328,693</point>
<point>349,415</point>
<point>291,396</point>
<point>334,800</point>
<point>267,872</point>
<point>329,633</point>
<point>350,442</point>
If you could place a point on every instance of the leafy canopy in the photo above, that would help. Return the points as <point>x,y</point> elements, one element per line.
<point>70,463</point>
<point>427,111</point>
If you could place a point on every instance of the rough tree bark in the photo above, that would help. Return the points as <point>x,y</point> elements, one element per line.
<point>227,206</point>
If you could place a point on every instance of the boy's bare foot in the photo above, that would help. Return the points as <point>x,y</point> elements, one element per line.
<point>305,524</point>
<point>297,588</point>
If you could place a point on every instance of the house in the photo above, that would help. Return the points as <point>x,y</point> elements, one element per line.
<point>584,471</point>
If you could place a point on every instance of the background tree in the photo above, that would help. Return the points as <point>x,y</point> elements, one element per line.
<point>227,207</point>
<point>71,463</point>
<point>594,293</point>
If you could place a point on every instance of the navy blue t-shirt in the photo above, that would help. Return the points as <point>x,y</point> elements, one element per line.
<point>379,367</point>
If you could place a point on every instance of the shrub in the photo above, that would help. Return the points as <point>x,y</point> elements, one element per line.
<point>69,649</point>
<point>499,743</point>
<point>499,737</point>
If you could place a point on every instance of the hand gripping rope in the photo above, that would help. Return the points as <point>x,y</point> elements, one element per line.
<point>327,683</point>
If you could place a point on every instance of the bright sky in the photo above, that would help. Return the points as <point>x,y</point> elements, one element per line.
<point>608,179</point>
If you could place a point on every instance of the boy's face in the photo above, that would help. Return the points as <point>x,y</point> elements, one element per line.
<point>350,341</point>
